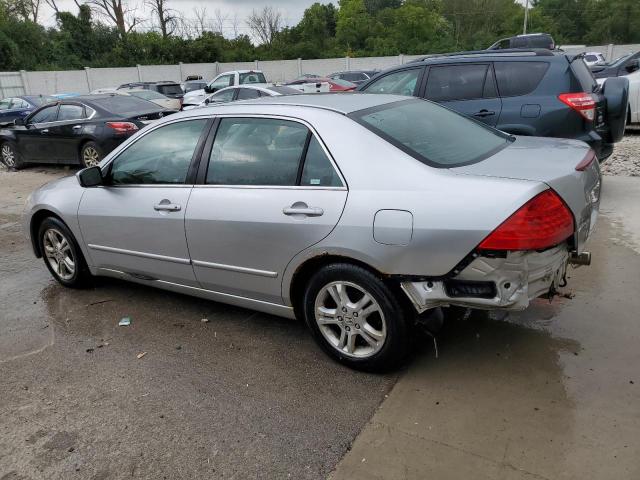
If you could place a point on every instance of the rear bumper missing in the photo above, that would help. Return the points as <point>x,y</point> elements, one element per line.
<point>508,283</point>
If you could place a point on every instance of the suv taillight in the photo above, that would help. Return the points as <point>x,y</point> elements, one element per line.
<point>542,222</point>
<point>122,127</point>
<point>581,102</point>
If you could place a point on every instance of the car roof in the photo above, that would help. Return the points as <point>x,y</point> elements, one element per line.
<point>344,103</point>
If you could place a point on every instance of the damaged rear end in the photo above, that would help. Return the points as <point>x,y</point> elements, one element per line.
<point>526,256</point>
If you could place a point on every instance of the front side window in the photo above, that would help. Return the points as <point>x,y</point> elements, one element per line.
<point>456,82</point>
<point>256,151</point>
<point>432,134</point>
<point>70,112</point>
<point>222,82</point>
<point>46,115</point>
<point>398,83</point>
<point>162,156</point>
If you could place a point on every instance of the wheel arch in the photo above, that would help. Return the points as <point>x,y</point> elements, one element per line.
<point>34,225</point>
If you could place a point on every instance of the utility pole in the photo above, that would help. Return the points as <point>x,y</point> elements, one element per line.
<point>526,18</point>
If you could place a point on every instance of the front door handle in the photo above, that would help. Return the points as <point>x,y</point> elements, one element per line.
<point>300,208</point>
<point>77,127</point>
<point>167,207</point>
<point>46,130</point>
<point>484,113</point>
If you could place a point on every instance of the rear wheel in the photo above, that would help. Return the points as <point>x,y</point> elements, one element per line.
<point>356,318</point>
<point>90,154</point>
<point>62,255</point>
<point>10,157</point>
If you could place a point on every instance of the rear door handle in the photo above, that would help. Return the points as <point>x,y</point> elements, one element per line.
<point>167,207</point>
<point>308,211</point>
<point>46,130</point>
<point>77,127</point>
<point>484,113</point>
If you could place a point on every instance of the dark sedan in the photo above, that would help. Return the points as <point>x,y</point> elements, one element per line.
<point>81,130</point>
<point>21,106</point>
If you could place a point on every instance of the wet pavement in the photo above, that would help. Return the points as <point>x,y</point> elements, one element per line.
<point>551,393</point>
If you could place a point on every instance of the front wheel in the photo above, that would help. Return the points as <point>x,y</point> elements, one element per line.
<point>356,318</point>
<point>62,255</point>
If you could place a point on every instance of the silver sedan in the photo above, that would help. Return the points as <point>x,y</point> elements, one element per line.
<point>359,213</point>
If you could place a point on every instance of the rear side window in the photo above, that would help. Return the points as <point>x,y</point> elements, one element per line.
<point>247,93</point>
<point>456,82</point>
<point>70,112</point>
<point>256,151</point>
<point>318,171</point>
<point>398,83</point>
<point>432,134</point>
<point>519,78</point>
<point>584,76</point>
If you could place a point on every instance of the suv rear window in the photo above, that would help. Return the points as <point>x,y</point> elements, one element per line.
<point>171,89</point>
<point>519,78</point>
<point>432,134</point>
<point>584,76</point>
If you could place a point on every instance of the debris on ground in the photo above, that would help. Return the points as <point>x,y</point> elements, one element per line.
<point>89,350</point>
<point>205,320</point>
<point>124,322</point>
<point>140,355</point>
<point>568,295</point>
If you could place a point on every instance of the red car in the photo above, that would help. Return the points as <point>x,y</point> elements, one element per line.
<point>338,85</point>
<point>335,85</point>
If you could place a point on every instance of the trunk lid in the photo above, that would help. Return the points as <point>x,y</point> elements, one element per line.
<point>552,161</point>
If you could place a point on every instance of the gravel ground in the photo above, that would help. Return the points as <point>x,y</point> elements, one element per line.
<point>625,160</point>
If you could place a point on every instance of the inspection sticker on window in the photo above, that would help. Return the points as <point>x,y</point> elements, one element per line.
<point>315,181</point>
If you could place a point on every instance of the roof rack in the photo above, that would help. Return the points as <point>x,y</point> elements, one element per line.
<point>512,52</point>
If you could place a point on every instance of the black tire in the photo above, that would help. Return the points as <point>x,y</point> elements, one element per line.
<point>90,150</point>
<point>616,91</point>
<point>81,277</point>
<point>10,157</point>
<point>392,351</point>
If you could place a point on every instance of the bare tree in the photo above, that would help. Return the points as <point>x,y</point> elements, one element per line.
<point>168,18</point>
<point>25,9</point>
<point>54,5</point>
<point>265,24</point>
<point>119,12</point>
<point>219,21</point>
<point>235,24</point>
<point>200,22</point>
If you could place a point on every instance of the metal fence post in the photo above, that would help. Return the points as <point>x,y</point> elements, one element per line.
<point>217,68</point>
<point>139,73</point>
<point>610,52</point>
<point>257,64</point>
<point>180,72</point>
<point>25,82</point>
<point>88,74</point>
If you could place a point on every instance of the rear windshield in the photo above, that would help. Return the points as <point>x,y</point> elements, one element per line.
<point>584,76</point>
<point>252,77</point>
<point>172,89</point>
<point>431,133</point>
<point>190,87</point>
<point>125,106</point>
<point>147,94</point>
<point>285,90</point>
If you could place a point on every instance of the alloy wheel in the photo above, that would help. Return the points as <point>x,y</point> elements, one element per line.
<point>8,155</point>
<point>90,156</point>
<point>350,319</point>
<point>57,250</point>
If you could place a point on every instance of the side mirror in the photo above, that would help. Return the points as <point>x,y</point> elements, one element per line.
<point>18,121</point>
<point>207,101</point>
<point>90,177</point>
<point>208,89</point>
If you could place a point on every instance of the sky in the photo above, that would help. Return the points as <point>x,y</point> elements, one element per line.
<point>291,10</point>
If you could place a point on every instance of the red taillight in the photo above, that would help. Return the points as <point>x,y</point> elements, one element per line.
<point>542,222</point>
<point>581,102</point>
<point>122,127</point>
<point>586,161</point>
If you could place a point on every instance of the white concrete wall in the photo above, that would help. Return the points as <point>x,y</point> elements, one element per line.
<point>83,81</point>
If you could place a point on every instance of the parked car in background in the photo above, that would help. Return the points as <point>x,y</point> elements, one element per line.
<point>191,85</point>
<point>620,67</point>
<point>529,40</point>
<point>62,96</point>
<point>226,79</point>
<point>81,130</point>
<point>633,114</point>
<point>20,106</point>
<point>356,213</point>
<point>319,85</point>
<point>169,104</point>
<point>245,92</point>
<point>102,91</point>
<point>354,76</point>
<point>594,58</point>
<point>535,92</point>
<point>166,88</point>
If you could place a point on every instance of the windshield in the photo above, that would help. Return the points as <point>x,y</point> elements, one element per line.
<point>147,94</point>
<point>252,77</point>
<point>431,133</point>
